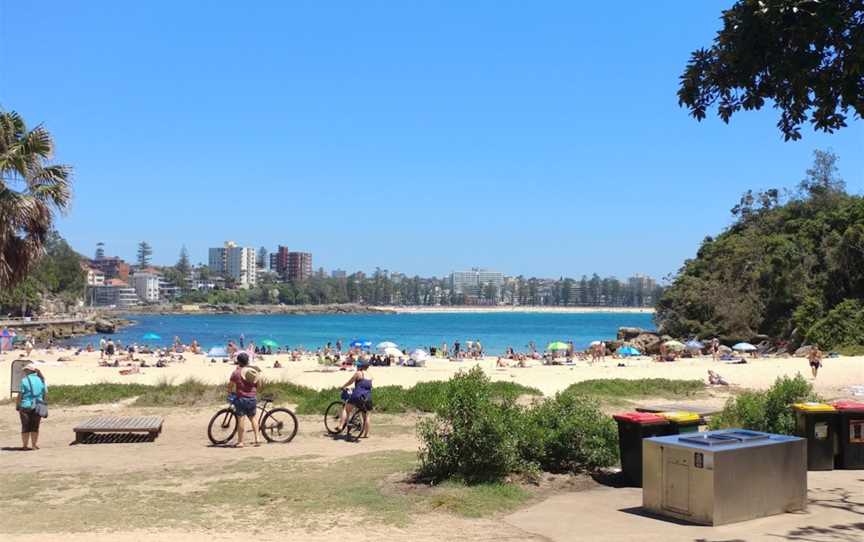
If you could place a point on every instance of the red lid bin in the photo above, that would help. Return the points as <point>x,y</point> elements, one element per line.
<point>641,418</point>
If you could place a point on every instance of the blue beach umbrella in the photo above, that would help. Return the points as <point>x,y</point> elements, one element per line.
<point>629,351</point>
<point>361,343</point>
<point>151,337</point>
<point>218,352</point>
<point>744,347</point>
<point>694,345</point>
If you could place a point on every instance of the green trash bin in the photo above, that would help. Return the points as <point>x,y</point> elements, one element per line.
<point>850,435</point>
<point>683,421</point>
<point>817,422</point>
<point>632,428</point>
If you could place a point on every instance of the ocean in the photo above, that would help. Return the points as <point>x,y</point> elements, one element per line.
<point>496,331</point>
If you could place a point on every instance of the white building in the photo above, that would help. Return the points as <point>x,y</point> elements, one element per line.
<point>95,277</point>
<point>146,286</point>
<point>471,282</point>
<point>234,262</point>
<point>114,293</point>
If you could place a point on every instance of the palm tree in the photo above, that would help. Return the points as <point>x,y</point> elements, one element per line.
<point>31,190</point>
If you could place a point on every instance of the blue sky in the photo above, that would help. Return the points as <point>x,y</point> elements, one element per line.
<point>534,138</point>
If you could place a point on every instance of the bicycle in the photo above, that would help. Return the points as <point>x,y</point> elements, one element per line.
<point>276,425</point>
<point>333,417</point>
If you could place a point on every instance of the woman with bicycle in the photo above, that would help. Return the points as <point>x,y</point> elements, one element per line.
<point>361,397</point>
<point>244,387</point>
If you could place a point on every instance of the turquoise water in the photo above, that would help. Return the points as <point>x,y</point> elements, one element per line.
<point>496,331</point>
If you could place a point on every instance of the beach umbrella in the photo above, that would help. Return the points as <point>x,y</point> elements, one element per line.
<point>675,345</point>
<point>419,355</point>
<point>695,345</point>
<point>557,345</point>
<point>392,351</point>
<point>218,352</point>
<point>385,345</point>
<point>744,347</point>
<point>360,343</point>
<point>151,337</point>
<point>629,351</point>
<point>595,343</point>
<point>270,342</point>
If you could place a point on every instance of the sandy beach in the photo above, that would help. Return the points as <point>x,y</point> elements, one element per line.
<point>834,381</point>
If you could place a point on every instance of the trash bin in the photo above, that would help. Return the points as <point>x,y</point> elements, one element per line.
<point>632,428</point>
<point>850,435</point>
<point>817,422</point>
<point>683,421</point>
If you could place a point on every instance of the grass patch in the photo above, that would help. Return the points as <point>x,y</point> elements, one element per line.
<point>92,394</point>
<point>619,388</point>
<point>295,493</point>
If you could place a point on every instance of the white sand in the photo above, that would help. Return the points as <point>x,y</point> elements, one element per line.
<point>834,380</point>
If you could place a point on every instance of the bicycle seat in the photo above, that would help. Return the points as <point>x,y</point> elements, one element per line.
<point>266,398</point>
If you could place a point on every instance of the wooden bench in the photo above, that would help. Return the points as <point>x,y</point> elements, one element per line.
<point>152,425</point>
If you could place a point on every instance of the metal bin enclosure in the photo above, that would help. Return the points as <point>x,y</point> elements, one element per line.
<point>850,433</point>
<point>721,477</point>
<point>817,422</point>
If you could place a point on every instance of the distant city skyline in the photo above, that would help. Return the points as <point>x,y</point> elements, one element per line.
<point>423,137</point>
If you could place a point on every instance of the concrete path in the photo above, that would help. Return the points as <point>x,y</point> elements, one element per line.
<point>835,514</point>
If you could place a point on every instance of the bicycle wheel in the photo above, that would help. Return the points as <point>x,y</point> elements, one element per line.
<point>333,416</point>
<point>279,425</point>
<point>354,427</point>
<point>222,426</point>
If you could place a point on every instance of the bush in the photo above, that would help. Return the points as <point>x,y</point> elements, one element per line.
<point>568,433</point>
<point>769,410</point>
<point>472,437</point>
<point>843,326</point>
<point>479,434</point>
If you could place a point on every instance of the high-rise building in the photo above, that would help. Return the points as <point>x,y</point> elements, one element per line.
<point>282,261</point>
<point>234,262</point>
<point>263,259</point>
<point>472,282</point>
<point>299,265</point>
<point>641,282</point>
<point>114,293</point>
<point>338,274</point>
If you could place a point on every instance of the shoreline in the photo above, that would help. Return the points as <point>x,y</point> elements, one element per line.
<point>515,310</point>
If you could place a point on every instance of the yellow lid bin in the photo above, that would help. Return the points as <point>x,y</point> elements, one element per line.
<point>813,407</point>
<point>680,416</point>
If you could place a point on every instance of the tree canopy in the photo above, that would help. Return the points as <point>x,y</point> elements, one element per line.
<point>806,56</point>
<point>780,269</point>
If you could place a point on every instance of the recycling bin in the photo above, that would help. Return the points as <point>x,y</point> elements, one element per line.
<point>683,421</point>
<point>817,422</point>
<point>850,435</point>
<point>632,428</point>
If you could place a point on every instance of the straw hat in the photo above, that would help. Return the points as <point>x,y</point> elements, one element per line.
<point>250,374</point>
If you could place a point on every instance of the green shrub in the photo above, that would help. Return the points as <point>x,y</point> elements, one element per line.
<point>769,410</point>
<point>472,437</point>
<point>842,326</point>
<point>568,433</point>
<point>643,387</point>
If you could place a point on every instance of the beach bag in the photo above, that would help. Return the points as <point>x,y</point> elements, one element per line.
<point>40,408</point>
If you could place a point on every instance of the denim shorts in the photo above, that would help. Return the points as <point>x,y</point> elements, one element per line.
<point>245,406</point>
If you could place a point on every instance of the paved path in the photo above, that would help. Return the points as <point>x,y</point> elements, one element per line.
<point>835,514</point>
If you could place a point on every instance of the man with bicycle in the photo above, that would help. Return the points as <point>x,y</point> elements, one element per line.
<point>243,387</point>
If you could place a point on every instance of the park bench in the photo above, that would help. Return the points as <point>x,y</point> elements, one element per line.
<point>151,425</point>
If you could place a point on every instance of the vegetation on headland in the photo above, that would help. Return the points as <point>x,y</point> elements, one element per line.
<point>768,410</point>
<point>791,266</point>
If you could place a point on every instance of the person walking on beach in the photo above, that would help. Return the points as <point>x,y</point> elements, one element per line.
<point>31,391</point>
<point>28,346</point>
<point>815,359</point>
<point>243,384</point>
<point>715,349</point>
<point>339,346</point>
<point>456,348</point>
<point>102,344</point>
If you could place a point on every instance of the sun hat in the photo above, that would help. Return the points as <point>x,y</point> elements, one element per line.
<point>250,374</point>
<point>30,367</point>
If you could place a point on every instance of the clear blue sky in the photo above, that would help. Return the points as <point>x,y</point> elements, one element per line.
<point>534,138</point>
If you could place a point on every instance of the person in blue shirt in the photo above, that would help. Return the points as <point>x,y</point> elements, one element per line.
<point>32,389</point>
